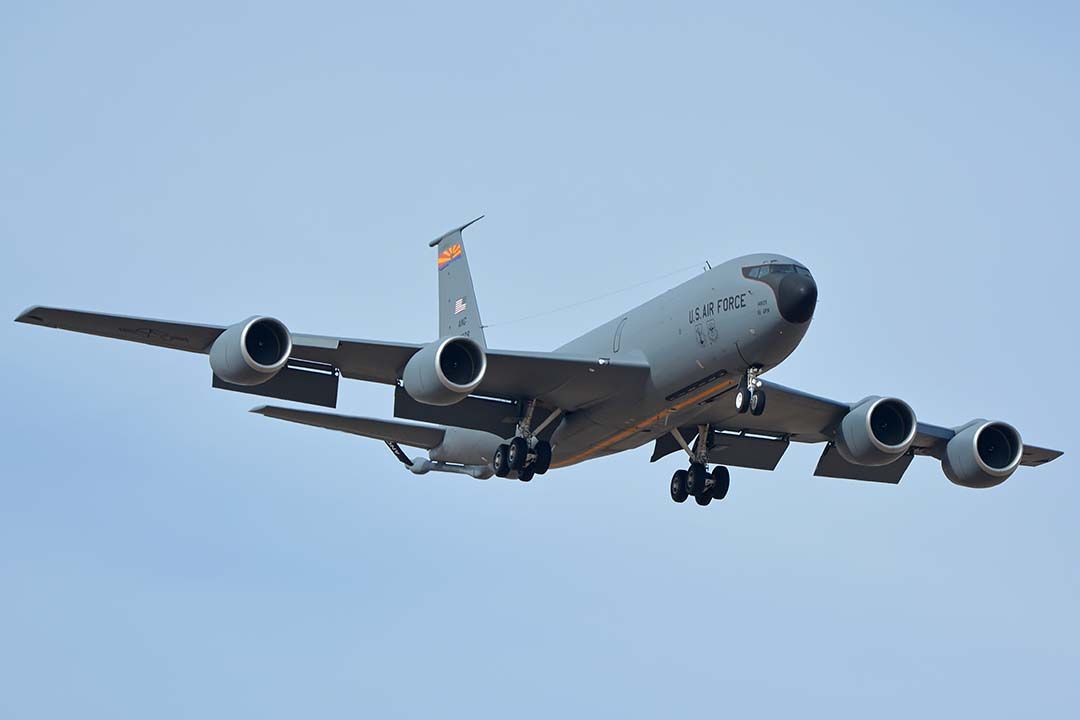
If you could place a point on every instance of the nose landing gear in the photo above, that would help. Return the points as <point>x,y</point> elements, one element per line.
<point>750,395</point>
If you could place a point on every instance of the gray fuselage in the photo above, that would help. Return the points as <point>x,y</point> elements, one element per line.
<point>698,338</point>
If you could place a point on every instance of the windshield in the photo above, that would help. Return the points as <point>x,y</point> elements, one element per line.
<point>756,272</point>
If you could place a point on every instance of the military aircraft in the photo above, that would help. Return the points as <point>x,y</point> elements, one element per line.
<point>682,371</point>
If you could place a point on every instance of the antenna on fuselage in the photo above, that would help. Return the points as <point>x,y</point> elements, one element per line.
<point>708,266</point>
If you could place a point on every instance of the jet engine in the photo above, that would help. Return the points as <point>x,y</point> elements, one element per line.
<point>982,454</point>
<point>251,352</point>
<point>877,431</point>
<point>445,372</point>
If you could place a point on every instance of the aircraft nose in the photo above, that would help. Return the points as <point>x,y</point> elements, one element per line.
<point>797,298</point>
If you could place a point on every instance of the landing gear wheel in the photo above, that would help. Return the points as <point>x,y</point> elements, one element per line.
<point>519,453</point>
<point>695,479</point>
<point>501,461</point>
<point>757,402</point>
<point>742,399</point>
<point>703,499</point>
<point>678,486</point>
<point>527,474</point>
<point>721,482</point>
<point>543,457</point>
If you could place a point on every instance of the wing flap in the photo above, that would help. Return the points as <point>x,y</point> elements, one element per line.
<point>498,417</point>
<point>367,360</point>
<point>420,436</point>
<point>833,465</point>
<point>314,387</point>
<point>748,451</point>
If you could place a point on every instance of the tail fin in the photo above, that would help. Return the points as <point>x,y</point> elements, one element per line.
<point>459,313</point>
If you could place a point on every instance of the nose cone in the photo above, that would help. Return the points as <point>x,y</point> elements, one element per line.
<point>797,298</point>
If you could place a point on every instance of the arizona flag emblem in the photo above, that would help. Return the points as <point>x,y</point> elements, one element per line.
<point>449,255</point>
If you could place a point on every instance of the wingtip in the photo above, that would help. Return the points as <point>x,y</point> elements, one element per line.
<point>260,410</point>
<point>31,315</point>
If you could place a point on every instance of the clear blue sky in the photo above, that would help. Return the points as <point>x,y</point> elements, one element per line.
<point>165,554</point>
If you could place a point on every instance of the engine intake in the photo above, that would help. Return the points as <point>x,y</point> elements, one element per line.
<point>445,372</point>
<point>877,431</point>
<point>982,454</point>
<point>251,352</point>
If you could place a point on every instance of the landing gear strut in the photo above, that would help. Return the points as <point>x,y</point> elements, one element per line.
<point>526,454</point>
<point>697,481</point>
<point>750,395</point>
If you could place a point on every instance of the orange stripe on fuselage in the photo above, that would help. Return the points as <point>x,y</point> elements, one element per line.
<point>622,435</point>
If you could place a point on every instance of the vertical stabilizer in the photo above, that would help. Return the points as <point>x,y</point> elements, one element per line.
<point>459,314</point>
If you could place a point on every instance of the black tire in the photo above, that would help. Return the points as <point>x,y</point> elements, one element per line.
<point>695,478</point>
<point>703,499</point>
<point>721,482</point>
<point>678,486</point>
<point>742,400</point>
<point>543,457</point>
<point>527,474</point>
<point>519,453</point>
<point>501,461</point>
<point>757,402</point>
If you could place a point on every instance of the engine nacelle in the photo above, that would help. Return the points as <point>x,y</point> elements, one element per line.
<point>445,372</point>
<point>982,454</point>
<point>251,352</point>
<point>876,432</point>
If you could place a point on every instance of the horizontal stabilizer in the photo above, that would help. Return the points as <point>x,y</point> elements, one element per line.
<point>420,436</point>
<point>1034,456</point>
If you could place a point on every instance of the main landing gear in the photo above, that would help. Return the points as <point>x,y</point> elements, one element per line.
<point>750,395</point>
<point>526,454</point>
<point>705,486</point>
<point>698,482</point>
<point>521,456</point>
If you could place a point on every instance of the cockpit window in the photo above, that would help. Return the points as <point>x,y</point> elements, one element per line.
<point>757,272</point>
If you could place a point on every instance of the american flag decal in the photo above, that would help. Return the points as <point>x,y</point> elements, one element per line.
<point>459,306</point>
<point>449,255</point>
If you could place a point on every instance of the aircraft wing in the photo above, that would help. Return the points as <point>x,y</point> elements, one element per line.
<point>162,333</point>
<point>802,417</point>
<point>559,380</point>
